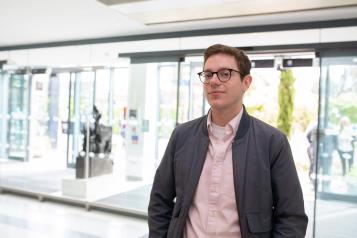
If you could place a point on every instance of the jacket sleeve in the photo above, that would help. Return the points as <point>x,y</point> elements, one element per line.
<point>289,218</point>
<point>162,194</point>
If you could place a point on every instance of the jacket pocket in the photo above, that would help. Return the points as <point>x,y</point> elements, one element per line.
<point>174,220</point>
<point>259,222</point>
<point>177,209</point>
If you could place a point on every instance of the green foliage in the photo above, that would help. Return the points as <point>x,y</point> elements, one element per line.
<point>303,117</point>
<point>353,173</point>
<point>261,112</point>
<point>286,101</point>
<point>255,108</point>
<point>345,108</point>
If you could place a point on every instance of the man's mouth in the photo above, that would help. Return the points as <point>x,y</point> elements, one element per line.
<point>216,92</point>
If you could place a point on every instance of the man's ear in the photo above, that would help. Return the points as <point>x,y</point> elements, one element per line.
<point>246,81</point>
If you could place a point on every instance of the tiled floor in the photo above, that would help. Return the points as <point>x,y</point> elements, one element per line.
<point>135,199</point>
<point>27,217</point>
<point>45,178</point>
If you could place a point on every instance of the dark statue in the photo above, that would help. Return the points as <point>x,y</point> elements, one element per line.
<point>100,136</point>
<point>100,146</point>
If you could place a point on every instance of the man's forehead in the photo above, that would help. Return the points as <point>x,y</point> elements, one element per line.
<point>228,62</point>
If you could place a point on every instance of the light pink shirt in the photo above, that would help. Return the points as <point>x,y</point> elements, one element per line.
<point>213,212</point>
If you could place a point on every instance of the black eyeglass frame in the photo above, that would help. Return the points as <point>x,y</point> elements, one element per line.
<point>213,73</point>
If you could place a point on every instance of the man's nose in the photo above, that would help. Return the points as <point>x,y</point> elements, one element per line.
<point>214,80</point>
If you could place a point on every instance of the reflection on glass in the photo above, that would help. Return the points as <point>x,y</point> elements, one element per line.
<point>338,128</point>
<point>336,165</point>
<point>19,111</point>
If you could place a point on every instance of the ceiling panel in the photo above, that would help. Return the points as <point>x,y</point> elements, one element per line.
<point>152,12</point>
<point>42,21</point>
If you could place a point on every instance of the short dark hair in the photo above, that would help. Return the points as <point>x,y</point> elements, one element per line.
<point>243,62</point>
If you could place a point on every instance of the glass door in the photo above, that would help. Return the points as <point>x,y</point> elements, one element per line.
<point>167,100</point>
<point>151,116</point>
<point>41,103</point>
<point>4,86</point>
<point>119,107</point>
<point>19,110</point>
<point>81,102</point>
<point>336,184</point>
<point>192,103</point>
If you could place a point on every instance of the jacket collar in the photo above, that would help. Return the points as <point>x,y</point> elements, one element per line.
<point>242,128</point>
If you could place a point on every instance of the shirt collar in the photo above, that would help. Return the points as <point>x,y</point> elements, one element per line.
<point>231,125</point>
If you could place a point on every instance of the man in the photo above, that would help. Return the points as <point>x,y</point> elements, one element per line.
<point>226,174</point>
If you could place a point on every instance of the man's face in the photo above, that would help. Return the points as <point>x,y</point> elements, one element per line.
<point>223,96</point>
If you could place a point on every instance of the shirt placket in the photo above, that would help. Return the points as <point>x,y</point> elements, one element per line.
<point>216,177</point>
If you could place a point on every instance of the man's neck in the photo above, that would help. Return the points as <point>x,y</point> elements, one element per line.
<point>222,117</point>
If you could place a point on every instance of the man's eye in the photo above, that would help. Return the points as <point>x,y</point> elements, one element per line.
<point>224,73</point>
<point>207,75</point>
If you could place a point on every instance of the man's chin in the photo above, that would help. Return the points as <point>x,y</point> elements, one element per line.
<point>216,106</point>
<point>215,101</point>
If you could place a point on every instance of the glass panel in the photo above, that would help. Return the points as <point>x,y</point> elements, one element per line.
<point>40,139</point>
<point>144,109</point>
<point>185,93</point>
<point>261,101</point>
<point>82,101</point>
<point>4,82</point>
<point>45,167</point>
<point>16,101</point>
<point>18,109</point>
<point>192,100</point>
<point>167,82</point>
<point>336,167</point>
<point>119,87</point>
<point>68,126</point>
<point>265,84</point>
<point>65,132</point>
<point>102,93</point>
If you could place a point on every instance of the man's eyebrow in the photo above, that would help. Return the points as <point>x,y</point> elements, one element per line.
<point>216,70</point>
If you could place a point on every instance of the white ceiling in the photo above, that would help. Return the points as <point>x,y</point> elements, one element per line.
<point>43,21</point>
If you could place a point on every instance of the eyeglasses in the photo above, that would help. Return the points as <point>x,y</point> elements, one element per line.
<point>223,75</point>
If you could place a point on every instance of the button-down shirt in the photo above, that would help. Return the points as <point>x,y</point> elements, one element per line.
<point>213,212</point>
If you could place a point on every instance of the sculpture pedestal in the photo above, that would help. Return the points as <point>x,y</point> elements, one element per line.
<point>97,166</point>
<point>89,189</point>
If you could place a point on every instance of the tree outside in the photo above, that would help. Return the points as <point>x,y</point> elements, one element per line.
<point>286,101</point>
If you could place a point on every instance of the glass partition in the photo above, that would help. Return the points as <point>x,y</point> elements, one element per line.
<point>42,116</point>
<point>43,130</point>
<point>261,101</point>
<point>81,108</point>
<point>192,103</point>
<point>167,103</point>
<point>336,184</point>
<point>4,82</point>
<point>19,111</point>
